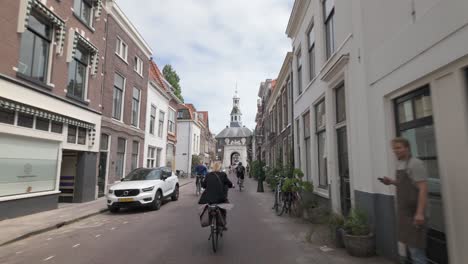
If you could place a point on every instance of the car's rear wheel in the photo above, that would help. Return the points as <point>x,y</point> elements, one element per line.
<point>157,201</point>
<point>113,209</point>
<point>175,194</point>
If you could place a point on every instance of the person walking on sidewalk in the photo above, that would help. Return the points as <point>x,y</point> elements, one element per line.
<point>411,194</point>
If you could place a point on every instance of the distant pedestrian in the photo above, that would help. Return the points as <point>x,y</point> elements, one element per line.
<point>411,188</point>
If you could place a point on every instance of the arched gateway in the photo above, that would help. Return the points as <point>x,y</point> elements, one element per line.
<point>233,142</point>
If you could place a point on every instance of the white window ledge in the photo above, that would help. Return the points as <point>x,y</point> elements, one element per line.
<point>28,195</point>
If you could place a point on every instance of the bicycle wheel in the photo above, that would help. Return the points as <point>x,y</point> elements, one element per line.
<point>294,209</point>
<point>278,200</point>
<point>214,234</point>
<point>283,204</point>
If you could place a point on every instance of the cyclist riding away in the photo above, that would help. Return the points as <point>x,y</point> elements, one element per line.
<point>200,172</point>
<point>216,184</point>
<point>240,172</point>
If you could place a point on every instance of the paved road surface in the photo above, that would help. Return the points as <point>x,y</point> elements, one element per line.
<point>172,235</point>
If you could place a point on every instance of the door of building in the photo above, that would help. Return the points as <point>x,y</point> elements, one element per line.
<point>414,122</point>
<point>343,170</point>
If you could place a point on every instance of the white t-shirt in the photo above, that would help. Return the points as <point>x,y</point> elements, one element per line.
<point>416,169</point>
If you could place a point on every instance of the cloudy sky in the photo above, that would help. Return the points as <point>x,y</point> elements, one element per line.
<point>212,44</point>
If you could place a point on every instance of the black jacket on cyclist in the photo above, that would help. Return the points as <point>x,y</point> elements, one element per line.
<point>240,171</point>
<point>216,186</point>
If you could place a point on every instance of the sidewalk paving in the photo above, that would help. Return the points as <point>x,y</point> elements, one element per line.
<point>314,239</point>
<point>22,227</point>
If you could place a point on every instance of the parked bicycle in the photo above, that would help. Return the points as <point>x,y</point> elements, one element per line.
<point>290,204</point>
<point>278,193</point>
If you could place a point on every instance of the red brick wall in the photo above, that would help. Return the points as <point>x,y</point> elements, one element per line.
<point>114,64</point>
<point>9,51</point>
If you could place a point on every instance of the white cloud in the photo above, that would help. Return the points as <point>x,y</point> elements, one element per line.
<point>214,43</point>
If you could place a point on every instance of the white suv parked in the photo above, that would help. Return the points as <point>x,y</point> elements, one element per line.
<point>143,187</point>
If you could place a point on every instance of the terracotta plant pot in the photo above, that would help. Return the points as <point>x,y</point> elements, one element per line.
<point>360,246</point>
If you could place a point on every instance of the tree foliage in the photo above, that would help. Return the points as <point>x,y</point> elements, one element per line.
<point>173,78</point>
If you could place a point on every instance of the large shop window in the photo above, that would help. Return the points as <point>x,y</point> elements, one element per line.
<point>28,165</point>
<point>34,48</point>
<point>321,144</point>
<point>414,122</point>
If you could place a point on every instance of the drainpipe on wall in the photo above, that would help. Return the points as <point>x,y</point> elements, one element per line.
<point>291,89</point>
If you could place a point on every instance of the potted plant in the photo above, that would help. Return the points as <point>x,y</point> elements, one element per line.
<point>336,223</point>
<point>358,239</point>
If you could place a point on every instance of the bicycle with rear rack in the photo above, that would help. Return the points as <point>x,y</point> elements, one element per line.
<point>216,225</point>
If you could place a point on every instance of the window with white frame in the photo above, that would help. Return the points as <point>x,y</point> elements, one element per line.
<point>35,45</point>
<point>311,41</point>
<point>161,124</point>
<point>152,119</point>
<point>320,133</point>
<point>78,73</point>
<point>135,151</point>
<point>171,121</point>
<point>299,72</point>
<point>150,161</point>
<point>121,49</point>
<point>135,107</point>
<point>119,86</point>
<point>84,10</point>
<point>328,14</point>
<point>138,65</point>
<point>76,135</point>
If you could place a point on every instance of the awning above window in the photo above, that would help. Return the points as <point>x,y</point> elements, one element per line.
<point>23,108</point>
<point>28,5</point>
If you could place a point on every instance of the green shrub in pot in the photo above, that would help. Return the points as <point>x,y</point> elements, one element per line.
<point>358,239</point>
